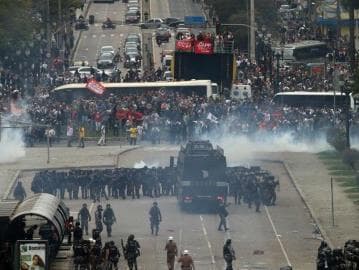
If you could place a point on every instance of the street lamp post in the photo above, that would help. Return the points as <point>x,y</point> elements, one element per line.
<point>346,89</point>
<point>277,56</point>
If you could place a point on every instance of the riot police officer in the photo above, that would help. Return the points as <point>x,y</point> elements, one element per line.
<point>131,251</point>
<point>113,255</point>
<point>172,252</point>
<point>84,216</point>
<point>228,254</point>
<point>155,218</point>
<point>98,218</point>
<point>108,219</point>
<point>186,261</point>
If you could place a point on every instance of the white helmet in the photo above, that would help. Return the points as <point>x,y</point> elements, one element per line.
<point>185,252</point>
<point>170,238</point>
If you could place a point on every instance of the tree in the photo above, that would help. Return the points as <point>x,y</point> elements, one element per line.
<point>16,24</point>
<point>351,5</point>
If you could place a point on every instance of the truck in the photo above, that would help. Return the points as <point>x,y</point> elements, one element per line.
<point>200,173</point>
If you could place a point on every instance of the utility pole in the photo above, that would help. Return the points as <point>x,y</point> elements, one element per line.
<point>253,34</point>
<point>338,24</point>
<point>48,28</point>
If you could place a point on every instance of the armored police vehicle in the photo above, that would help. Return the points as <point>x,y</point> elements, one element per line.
<point>201,174</point>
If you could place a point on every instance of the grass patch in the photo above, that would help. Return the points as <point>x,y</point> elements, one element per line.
<point>348,184</point>
<point>345,179</point>
<point>352,190</point>
<point>339,167</point>
<point>342,173</point>
<point>328,155</point>
<point>354,196</point>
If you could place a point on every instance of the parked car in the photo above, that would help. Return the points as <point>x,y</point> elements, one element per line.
<point>105,61</point>
<point>176,23</point>
<point>163,34</point>
<point>133,44</point>
<point>133,38</point>
<point>170,20</point>
<point>131,17</point>
<point>81,25</point>
<point>87,71</point>
<point>107,49</point>
<point>152,23</point>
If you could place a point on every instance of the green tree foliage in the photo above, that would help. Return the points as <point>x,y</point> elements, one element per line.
<point>16,23</point>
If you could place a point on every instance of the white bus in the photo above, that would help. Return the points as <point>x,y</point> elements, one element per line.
<point>307,51</point>
<point>198,87</point>
<point>314,99</point>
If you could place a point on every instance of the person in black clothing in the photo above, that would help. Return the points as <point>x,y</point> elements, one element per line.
<point>77,233</point>
<point>155,218</point>
<point>228,254</point>
<point>223,213</point>
<point>131,251</point>
<point>113,255</point>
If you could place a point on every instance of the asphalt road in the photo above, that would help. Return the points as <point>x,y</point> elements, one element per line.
<point>277,236</point>
<point>93,39</point>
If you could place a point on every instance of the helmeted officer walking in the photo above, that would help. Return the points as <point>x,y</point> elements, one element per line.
<point>186,261</point>
<point>229,254</point>
<point>155,218</point>
<point>172,252</point>
<point>84,217</point>
<point>108,219</point>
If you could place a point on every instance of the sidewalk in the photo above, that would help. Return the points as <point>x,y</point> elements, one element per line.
<point>313,179</point>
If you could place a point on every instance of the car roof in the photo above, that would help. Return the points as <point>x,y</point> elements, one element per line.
<point>107,47</point>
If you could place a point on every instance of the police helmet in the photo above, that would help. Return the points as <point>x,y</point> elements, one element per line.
<point>170,238</point>
<point>185,252</point>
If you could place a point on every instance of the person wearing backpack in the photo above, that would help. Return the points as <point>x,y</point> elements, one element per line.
<point>131,251</point>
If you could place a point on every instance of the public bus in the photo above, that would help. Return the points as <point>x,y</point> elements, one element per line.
<point>69,92</point>
<point>307,51</point>
<point>315,99</point>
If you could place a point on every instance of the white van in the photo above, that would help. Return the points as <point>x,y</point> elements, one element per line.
<point>167,62</point>
<point>241,92</point>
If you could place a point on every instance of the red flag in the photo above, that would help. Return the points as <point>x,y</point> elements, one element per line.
<point>184,45</point>
<point>95,87</point>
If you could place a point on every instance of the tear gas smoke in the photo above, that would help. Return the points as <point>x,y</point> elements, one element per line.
<point>12,146</point>
<point>240,148</point>
<point>142,164</point>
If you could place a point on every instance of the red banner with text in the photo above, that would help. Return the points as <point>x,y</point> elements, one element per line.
<point>184,45</point>
<point>95,87</point>
<point>203,47</point>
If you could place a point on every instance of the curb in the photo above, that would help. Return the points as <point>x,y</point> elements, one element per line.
<point>116,165</point>
<point>311,212</point>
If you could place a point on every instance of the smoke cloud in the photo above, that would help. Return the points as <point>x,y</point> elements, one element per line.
<point>241,148</point>
<point>142,164</point>
<point>12,146</point>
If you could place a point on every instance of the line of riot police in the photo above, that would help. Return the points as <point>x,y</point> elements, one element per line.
<point>249,185</point>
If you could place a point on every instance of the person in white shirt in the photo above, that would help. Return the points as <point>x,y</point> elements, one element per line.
<point>69,134</point>
<point>102,140</point>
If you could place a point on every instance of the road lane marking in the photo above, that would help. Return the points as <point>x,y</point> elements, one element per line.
<point>207,240</point>
<point>278,237</point>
